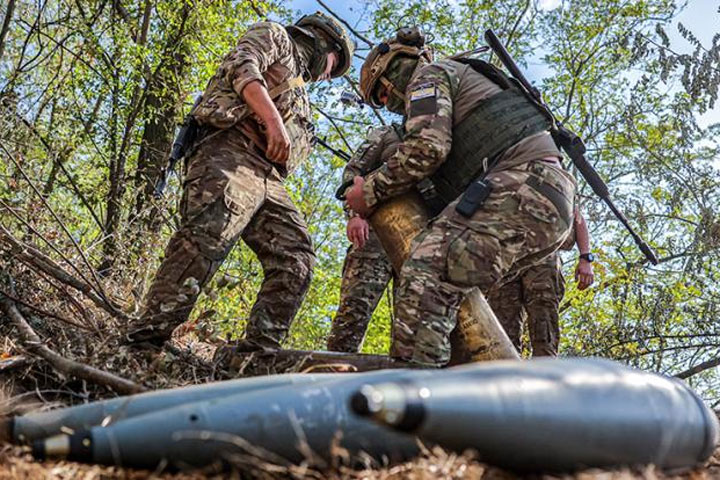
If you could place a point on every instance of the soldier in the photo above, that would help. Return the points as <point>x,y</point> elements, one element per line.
<point>367,269</point>
<point>489,152</point>
<point>538,291</point>
<point>255,129</point>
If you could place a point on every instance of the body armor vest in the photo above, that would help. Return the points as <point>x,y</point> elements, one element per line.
<point>496,124</point>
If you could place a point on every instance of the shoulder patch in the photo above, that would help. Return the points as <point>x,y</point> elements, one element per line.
<point>423,100</point>
<point>426,90</point>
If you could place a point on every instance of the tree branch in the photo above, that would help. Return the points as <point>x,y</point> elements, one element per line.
<point>32,343</point>
<point>335,126</point>
<point>99,285</point>
<point>6,25</point>
<point>341,20</point>
<point>359,94</point>
<point>700,367</point>
<point>35,258</point>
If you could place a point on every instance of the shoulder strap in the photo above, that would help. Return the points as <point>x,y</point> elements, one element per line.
<point>287,85</point>
<point>487,69</point>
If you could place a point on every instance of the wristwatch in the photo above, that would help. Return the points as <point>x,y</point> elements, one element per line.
<point>588,256</point>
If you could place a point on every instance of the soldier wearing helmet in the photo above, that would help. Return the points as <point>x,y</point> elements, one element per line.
<point>254,129</point>
<point>505,201</point>
<point>367,269</point>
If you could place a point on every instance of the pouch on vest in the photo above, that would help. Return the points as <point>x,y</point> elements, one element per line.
<point>474,197</point>
<point>496,124</point>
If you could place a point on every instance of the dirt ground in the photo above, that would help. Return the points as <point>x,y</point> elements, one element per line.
<point>16,463</point>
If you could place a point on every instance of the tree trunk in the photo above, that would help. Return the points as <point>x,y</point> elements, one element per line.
<point>162,107</point>
<point>268,362</point>
<point>6,25</point>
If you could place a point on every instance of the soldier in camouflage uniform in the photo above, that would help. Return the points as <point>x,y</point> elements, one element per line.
<point>526,216</point>
<point>255,129</point>
<point>367,269</point>
<point>536,294</point>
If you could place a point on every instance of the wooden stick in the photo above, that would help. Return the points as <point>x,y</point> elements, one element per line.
<point>35,258</point>
<point>33,344</point>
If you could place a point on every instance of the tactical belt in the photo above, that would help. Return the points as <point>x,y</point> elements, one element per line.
<point>497,124</point>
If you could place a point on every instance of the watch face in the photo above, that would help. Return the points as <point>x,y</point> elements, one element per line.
<point>589,257</point>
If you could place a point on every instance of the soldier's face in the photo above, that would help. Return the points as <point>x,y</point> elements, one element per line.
<point>383,95</point>
<point>332,61</point>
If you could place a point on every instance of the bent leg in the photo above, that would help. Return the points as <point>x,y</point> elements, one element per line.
<point>517,226</point>
<point>279,237</point>
<point>217,203</point>
<point>506,301</point>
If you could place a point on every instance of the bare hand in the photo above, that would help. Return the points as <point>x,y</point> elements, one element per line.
<point>358,231</point>
<point>584,275</point>
<point>355,197</point>
<point>278,142</point>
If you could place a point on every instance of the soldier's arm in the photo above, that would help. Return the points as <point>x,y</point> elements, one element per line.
<point>278,140</point>
<point>427,141</point>
<point>582,234</point>
<point>584,274</point>
<point>262,45</point>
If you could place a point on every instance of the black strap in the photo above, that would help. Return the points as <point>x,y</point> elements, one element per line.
<point>552,194</point>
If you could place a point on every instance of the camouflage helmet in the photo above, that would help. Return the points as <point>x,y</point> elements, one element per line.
<point>408,42</point>
<point>332,28</point>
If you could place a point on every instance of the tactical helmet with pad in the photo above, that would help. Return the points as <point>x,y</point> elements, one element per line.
<point>333,29</point>
<point>408,42</point>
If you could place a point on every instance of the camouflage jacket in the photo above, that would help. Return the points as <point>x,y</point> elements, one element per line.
<point>439,96</point>
<point>268,54</point>
<point>379,145</point>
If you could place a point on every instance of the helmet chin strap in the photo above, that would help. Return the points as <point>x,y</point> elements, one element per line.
<point>393,91</point>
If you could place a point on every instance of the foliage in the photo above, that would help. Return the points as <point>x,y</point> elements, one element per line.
<point>90,93</point>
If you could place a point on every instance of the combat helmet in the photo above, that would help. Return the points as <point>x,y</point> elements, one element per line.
<point>332,28</point>
<point>407,42</point>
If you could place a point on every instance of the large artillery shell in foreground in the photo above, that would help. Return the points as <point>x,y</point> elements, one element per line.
<point>481,337</point>
<point>552,415</point>
<point>276,420</point>
<point>32,426</point>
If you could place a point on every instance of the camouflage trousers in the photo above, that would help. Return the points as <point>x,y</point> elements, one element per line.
<point>366,274</point>
<point>231,192</point>
<point>526,218</point>
<point>535,295</point>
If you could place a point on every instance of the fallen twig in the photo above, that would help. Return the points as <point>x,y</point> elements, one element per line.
<point>35,258</point>
<point>101,291</point>
<point>42,312</point>
<point>33,344</point>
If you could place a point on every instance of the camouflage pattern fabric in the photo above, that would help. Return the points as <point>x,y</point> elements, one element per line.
<point>366,270</point>
<point>366,274</point>
<point>516,228</point>
<point>536,295</point>
<point>439,96</point>
<point>231,191</point>
<point>266,53</point>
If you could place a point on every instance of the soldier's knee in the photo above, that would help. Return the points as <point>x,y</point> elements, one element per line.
<point>475,260</point>
<point>300,267</point>
<point>305,265</point>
